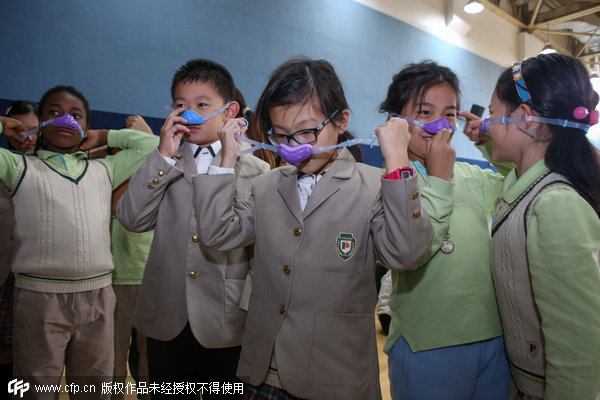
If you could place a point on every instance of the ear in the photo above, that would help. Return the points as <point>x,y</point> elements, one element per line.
<point>524,110</point>
<point>232,110</point>
<point>342,121</point>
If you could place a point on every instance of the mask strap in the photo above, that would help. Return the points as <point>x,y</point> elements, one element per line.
<point>507,120</point>
<point>45,123</point>
<point>412,121</point>
<point>371,140</point>
<point>219,111</point>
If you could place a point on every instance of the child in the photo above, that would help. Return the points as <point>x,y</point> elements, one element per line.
<point>26,112</point>
<point>130,253</point>
<point>63,307</point>
<point>319,227</point>
<point>546,234</point>
<point>445,339</point>
<point>188,303</point>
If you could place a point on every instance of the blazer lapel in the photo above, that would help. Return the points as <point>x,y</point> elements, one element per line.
<point>288,189</point>
<point>185,158</point>
<point>341,169</point>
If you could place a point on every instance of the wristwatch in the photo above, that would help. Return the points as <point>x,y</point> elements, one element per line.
<point>400,173</point>
<point>406,172</point>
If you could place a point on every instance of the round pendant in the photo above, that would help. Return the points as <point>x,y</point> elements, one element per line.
<point>447,247</point>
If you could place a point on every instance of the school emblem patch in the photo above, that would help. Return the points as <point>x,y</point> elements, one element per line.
<point>345,245</point>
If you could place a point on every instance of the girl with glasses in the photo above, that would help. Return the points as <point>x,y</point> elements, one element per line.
<point>319,227</point>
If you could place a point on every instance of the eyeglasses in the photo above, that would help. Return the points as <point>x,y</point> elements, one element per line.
<point>304,136</point>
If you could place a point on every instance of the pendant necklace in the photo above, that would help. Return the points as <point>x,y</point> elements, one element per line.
<point>447,244</point>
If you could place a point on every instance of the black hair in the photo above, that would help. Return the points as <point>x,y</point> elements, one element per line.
<point>208,71</point>
<point>302,80</point>
<point>21,107</point>
<point>253,131</point>
<point>558,84</point>
<point>68,89</point>
<point>41,143</point>
<point>244,111</point>
<point>413,81</point>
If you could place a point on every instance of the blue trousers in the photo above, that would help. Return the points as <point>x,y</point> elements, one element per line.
<point>474,371</point>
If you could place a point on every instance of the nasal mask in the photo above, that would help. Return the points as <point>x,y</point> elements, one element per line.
<point>432,127</point>
<point>66,120</point>
<point>193,118</point>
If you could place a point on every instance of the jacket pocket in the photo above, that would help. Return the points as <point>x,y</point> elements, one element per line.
<point>342,350</point>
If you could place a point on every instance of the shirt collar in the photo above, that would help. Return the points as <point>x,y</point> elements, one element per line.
<point>45,155</point>
<point>216,147</point>
<point>513,187</point>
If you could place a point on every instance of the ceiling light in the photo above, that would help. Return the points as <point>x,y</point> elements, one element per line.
<point>473,7</point>
<point>548,49</point>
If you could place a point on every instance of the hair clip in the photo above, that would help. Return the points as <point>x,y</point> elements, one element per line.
<point>594,117</point>
<point>582,112</point>
<point>8,110</point>
<point>517,75</point>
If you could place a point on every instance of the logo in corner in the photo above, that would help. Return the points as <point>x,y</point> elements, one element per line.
<point>18,387</point>
<point>345,245</point>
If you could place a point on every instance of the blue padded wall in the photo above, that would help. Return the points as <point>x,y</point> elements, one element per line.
<point>122,54</point>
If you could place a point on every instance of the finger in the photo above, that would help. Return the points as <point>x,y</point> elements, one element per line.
<point>176,112</point>
<point>427,149</point>
<point>446,135</point>
<point>468,115</point>
<point>178,128</point>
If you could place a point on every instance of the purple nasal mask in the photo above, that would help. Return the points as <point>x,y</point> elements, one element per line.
<point>67,121</point>
<point>432,127</point>
<point>294,154</point>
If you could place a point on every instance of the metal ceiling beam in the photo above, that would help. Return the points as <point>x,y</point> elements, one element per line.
<point>584,58</point>
<point>569,16</point>
<point>513,7</point>
<point>535,12</point>
<point>567,33</point>
<point>504,15</point>
<point>586,44</point>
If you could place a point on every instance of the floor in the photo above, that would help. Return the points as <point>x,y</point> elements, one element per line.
<point>383,370</point>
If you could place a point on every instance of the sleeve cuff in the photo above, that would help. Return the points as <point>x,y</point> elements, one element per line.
<point>169,161</point>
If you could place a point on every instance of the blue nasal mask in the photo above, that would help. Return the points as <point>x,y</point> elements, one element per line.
<point>432,127</point>
<point>193,118</point>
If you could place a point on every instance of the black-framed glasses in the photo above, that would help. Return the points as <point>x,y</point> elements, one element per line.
<point>304,136</point>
